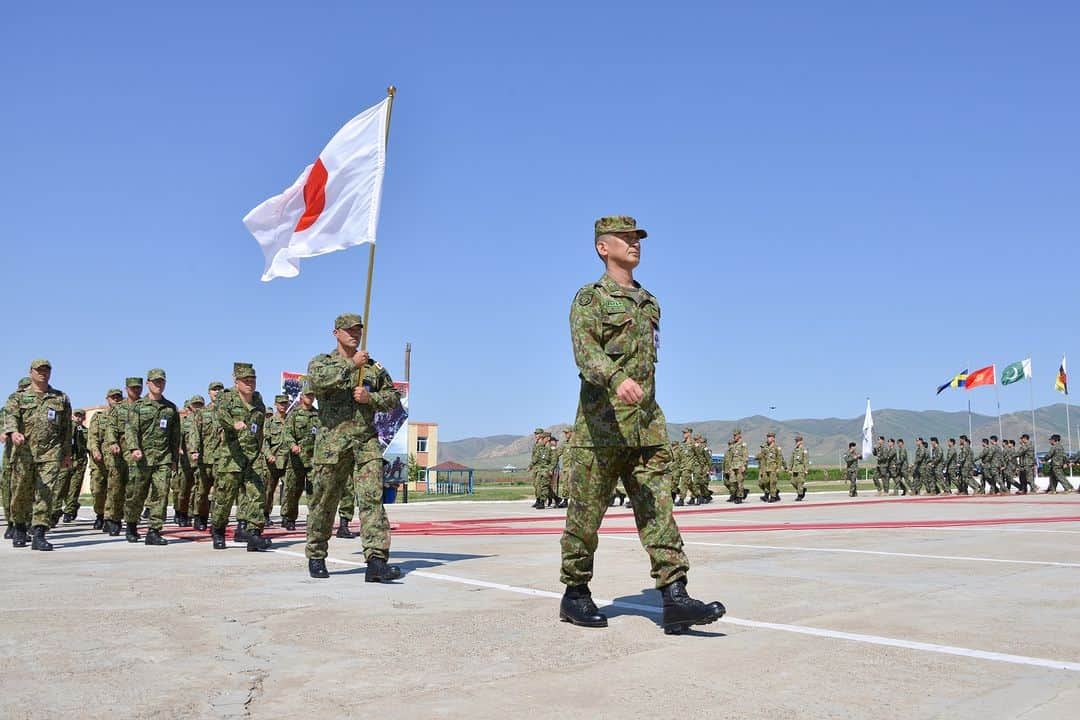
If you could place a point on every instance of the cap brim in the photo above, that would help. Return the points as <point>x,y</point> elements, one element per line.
<point>642,234</point>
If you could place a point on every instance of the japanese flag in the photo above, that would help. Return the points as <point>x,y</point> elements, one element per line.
<point>334,203</point>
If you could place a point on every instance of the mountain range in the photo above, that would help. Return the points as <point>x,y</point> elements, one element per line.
<point>825,438</point>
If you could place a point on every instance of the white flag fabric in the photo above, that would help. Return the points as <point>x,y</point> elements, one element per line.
<point>332,205</point>
<point>867,433</point>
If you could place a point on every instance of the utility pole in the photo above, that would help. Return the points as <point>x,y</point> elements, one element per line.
<point>408,357</point>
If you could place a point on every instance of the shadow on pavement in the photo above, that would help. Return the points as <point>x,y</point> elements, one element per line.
<point>649,598</point>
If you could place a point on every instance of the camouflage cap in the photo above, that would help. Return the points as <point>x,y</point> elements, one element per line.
<point>114,391</point>
<point>40,362</point>
<point>281,399</point>
<point>617,224</point>
<point>79,411</point>
<point>568,431</point>
<point>243,370</point>
<point>306,388</point>
<point>688,430</point>
<point>133,382</point>
<point>216,385</point>
<point>770,434</point>
<point>24,383</point>
<point>798,438</point>
<point>155,374</point>
<point>347,320</point>
<point>196,400</point>
<point>538,431</point>
<point>737,431</point>
<point>698,438</point>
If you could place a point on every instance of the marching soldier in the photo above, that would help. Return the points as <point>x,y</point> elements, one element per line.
<point>919,469</point>
<point>903,471</point>
<point>740,457</point>
<point>935,466</point>
<point>72,478</point>
<point>1025,458</point>
<point>965,462</point>
<point>301,427</point>
<point>851,469</point>
<point>620,433</point>
<point>187,477</point>
<point>770,464</point>
<point>9,459</point>
<point>800,467</point>
<point>116,443</point>
<point>276,452</point>
<point>951,468</point>
<point>1055,465</point>
<point>99,452</point>
<point>209,444</point>
<point>893,465</point>
<point>152,436</point>
<point>881,471</point>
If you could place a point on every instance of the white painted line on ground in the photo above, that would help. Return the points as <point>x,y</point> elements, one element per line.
<point>798,629</point>
<point>851,551</point>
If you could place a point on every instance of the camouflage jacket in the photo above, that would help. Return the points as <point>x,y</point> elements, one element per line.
<point>191,435</point>
<point>78,442</point>
<point>921,456</point>
<point>800,460</point>
<point>115,422</point>
<point>997,458</point>
<point>935,460</point>
<point>740,455</point>
<point>615,333</point>
<point>892,458</point>
<point>95,437</point>
<point>301,427</point>
<point>950,461</point>
<point>852,460</point>
<point>965,460</point>
<point>881,455</point>
<point>901,459</point>
<point>1056,458</point>
<point>209,434</point>
<point>239,448</point>
<point>153,427</point>
<point>275,443</point>
<point>704,459</point>
<point>45,419</point>
<point>771,458</point>
<point>535,453</point>
<point>1025,456</point>
<point>347,424</point>
<point>545,460</point>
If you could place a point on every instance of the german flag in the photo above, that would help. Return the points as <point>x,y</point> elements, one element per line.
<point>1061,384</point>
<point>982,376</point>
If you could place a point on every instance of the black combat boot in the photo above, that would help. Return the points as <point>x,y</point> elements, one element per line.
<point>558,501</point>
<point>241,532</point>
<point>256,542</point>
<point>577,608</point>
<point>219,538</point>
<point>622,497</point>
<point>9,531</point>
<point>692,500</point>
<point>775,498</point>
<point>343,530</point>
<point>738,499</point>
<point>629,505</point>
<point>765,498</point>
<point>199,523</point>
<point>288,524</point>
<point>802,494</point>
<point>745,493</point>
<point>379,571</point>
<point>539,504</point>
<point>681,611</point>
<point>39,542</point>
<point>68,517</point>
<point>679,502</point>
<point>730,498</point>
<point>114,527</point>
<point>18,538</point>
<point>132,534</point>
<point>54,520</point>
<point>146,513</point>
<point>563,502</point>
<point>317,569</point>
<point>99,522</point>
<point>153,537</point>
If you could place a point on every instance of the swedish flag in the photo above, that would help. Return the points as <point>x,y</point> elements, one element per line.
<point>959,381</point>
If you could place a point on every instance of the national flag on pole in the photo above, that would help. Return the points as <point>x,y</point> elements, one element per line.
<point>1061,384</point>
<point>958,381</point>
<point>332,205</point>
<point>867,433</point>
<point>1015,372</point>
<point>982,376</point>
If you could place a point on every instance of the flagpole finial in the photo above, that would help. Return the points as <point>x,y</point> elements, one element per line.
<point>391,91</point>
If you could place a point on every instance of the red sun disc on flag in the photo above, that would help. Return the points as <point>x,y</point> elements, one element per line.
<point>314,196</point>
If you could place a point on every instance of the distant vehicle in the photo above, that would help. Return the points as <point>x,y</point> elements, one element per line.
<point>509,468</point>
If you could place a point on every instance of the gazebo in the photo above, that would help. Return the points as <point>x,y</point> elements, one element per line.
<point>449,478</point>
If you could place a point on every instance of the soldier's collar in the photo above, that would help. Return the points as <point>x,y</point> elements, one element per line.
<point>609,284</point>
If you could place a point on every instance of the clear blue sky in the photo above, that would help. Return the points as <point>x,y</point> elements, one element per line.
<point>844,199</point>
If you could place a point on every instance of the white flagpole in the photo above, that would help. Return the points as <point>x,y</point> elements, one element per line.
<point>970,433</point>
<point>997,397</point>
<point>1034,440</point>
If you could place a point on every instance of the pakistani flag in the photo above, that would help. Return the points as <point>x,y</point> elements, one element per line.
<point>1016,372</point>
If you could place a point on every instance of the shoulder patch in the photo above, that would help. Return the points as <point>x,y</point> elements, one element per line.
<point>585,298</point>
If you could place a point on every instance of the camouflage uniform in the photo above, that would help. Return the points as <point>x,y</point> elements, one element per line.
<point>118,473</point>
<point>615,336</point>
<point>684,462</point>
<point>188,471</point>
<point>71,479</point>
<point>881,471</point>
<point>903,475</point>
<point>740,457</point>
<point>934,469</point>
<point>275,445</point>
<point>210,441</point>
<point>541,471</point>
<point>851,471</point>
<point>153,428</point>
<point>892,474</point>
<point>301,427</point>
<point>1025,460</point>
<point>10,457</point>
<point>1055,465</point>
<point>235,477</point>
<point>799,465</point>
<point>45,420</point>
<point>1009,470</point>
<point>347,450</point>
<point>99,469</point>
<point>952,467</point>
<point>702,468</point>
<point>965,468</point>
<point>770,464</point>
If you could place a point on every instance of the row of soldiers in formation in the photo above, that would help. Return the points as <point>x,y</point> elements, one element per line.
<point>211,457</point>
<point>1000,467</point>
<point>181,464</point>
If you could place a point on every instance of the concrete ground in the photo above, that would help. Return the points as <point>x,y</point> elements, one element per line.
<point>961,607</point>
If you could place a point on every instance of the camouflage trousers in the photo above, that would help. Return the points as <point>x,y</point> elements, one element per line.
<point>641,469</point>
<point>148,486</point>
<point>563,487</point>
<point>798,481</point>
<point>183,483</point>
<point>1058,477</point>
<point>682,483</point>
<point>362,469</point>
<point>99,484</point>
<point>701,484</point>
<point>902,481</point>
<point>767,481</point>
<point>273,478</point>
<point>738,477</point>
<point>553,485</point>
<point>965,482</point>
<point>204,485</point>
<point>33,492</point>
<point>296,475</point>
<point>116,492</point>
<point>246,489</point>
<point>541,485</point>
<point>67,495</point>
<point>5,483</point>
<point>881,479</point>
<point>852,478</point>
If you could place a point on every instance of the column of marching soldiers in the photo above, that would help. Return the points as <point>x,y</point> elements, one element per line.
<point>999,468</point>
<point>141,450</point>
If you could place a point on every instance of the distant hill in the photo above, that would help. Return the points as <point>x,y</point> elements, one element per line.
<point>826,438</point>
